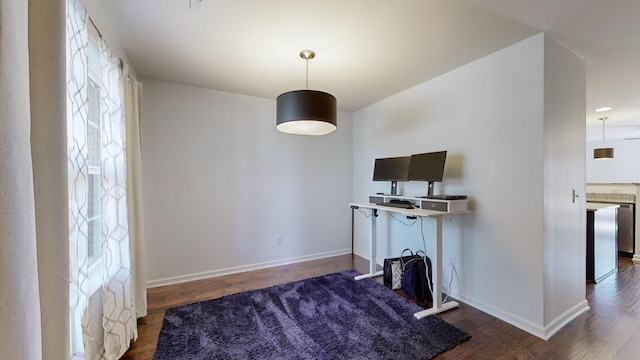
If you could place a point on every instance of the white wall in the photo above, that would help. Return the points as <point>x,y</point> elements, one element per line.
<point>221,185</point>
<point>489,116</point>
<point>623,168</point>
<point>564,171</point>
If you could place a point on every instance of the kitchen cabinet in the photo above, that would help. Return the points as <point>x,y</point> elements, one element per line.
<point>602,245</point>
<point>626,195</point>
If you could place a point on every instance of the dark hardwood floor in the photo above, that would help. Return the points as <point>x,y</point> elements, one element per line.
<point>610,330</point>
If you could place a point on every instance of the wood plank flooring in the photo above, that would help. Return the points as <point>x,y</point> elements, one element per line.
<point>610,330</point>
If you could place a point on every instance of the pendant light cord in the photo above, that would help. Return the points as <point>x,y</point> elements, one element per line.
<point>307,84</point>
<point>603,119</point>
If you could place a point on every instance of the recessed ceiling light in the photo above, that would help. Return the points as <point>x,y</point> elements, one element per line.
<point>604,108</point>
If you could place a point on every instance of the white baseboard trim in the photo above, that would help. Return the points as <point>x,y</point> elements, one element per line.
<point>361,254</point>
<point>636,259</point>
<point>514,320</point>
<point>543,333</point>
<point>565,318</point>
<point>238,269</point>
<point>367,256</point>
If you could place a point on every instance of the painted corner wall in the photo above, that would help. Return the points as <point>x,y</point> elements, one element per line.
<point>222,187</point>
<point>564,172</point>
<point>490,117</point>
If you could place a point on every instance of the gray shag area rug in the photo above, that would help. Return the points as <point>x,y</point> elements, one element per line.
<point>326,317</point>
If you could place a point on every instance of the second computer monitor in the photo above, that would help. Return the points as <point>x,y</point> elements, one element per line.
<point>427,167</point>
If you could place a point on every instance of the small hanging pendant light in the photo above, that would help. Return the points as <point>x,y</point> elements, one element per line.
<point>603,153</point>
<point>306,112</point>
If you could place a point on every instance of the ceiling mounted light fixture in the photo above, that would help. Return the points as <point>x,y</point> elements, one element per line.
<point>306,112</point>
<point>604,108</point>
<point>603,153</point>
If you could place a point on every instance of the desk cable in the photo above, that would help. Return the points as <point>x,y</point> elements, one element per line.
<point>402,222</point>
<point>424,246</point>
<point>453,269</point>
<point>426,266</point>
<point>366,213</point>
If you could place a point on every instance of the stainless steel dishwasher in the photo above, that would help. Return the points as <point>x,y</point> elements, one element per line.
<point>626,241</point>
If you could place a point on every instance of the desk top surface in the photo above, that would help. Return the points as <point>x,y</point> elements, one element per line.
<point>414,211</point>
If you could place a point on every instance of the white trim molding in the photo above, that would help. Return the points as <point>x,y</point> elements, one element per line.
<point>544,333</point>
<point>238,269</point>
<point>565,318</point>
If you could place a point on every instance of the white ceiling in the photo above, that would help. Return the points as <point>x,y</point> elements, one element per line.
<point>367,50</point>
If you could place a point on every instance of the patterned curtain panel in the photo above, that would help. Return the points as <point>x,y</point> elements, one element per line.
<point>102,302</point>
<point>119,315</point>
<point>78,172</point>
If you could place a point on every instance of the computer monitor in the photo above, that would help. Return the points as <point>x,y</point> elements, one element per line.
<point>427,167</point>
<point>392,169</point>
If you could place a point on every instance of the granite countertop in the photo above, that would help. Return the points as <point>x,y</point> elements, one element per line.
<point>611,198</point>
<point>613,184</point>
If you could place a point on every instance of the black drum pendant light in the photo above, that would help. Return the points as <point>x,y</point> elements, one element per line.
<point>306,112</point>
<point>603,153</point>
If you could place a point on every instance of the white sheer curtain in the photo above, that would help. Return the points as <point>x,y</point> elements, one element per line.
<point>103,330</point>
<point>119,315</point>
<point>78,173</point>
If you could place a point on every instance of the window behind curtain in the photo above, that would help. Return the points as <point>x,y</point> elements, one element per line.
<point>94,160</point>
<point>102,305</point>
<point>87,65</point>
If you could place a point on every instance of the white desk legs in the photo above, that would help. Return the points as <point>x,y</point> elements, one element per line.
<point>436,272</point>
<point>372,248</point>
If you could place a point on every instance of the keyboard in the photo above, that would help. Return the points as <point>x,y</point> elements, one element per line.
<point>396,205</point>
<point>446,197</point>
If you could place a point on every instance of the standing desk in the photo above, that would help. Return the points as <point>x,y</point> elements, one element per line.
<point>436,260</point>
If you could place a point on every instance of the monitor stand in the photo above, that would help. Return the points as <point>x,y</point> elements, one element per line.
<point>394,188</point>
<point>430,188</point>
